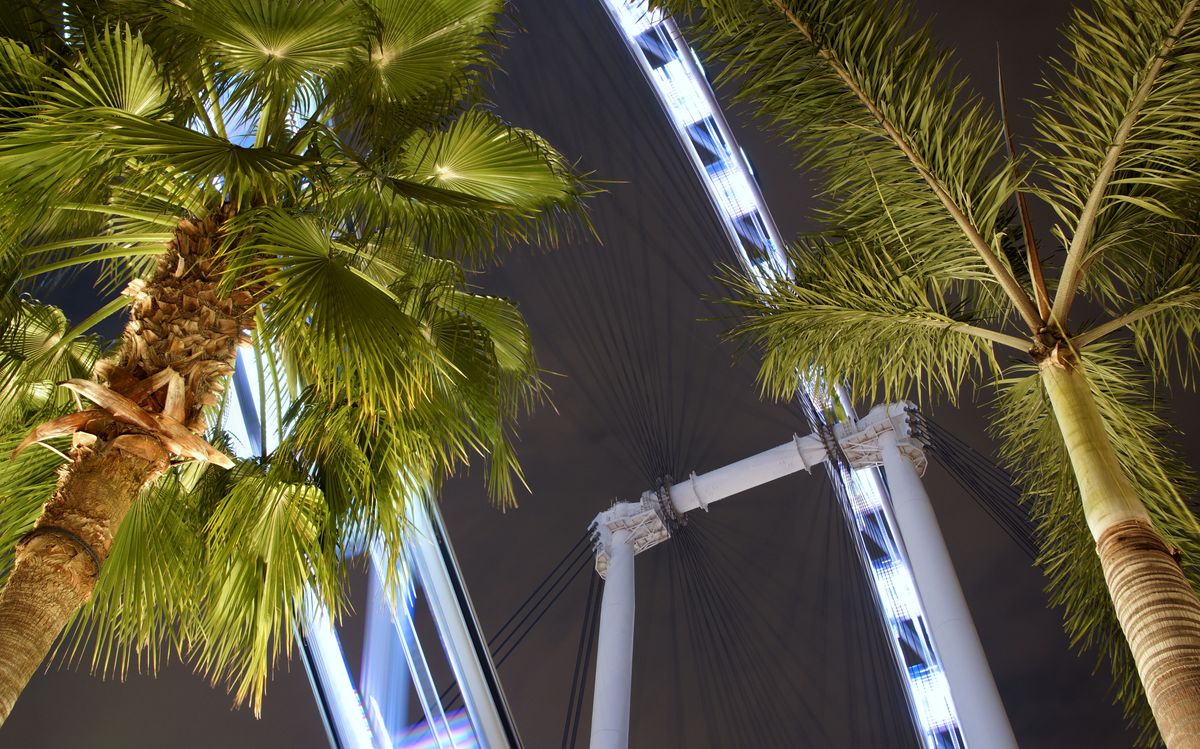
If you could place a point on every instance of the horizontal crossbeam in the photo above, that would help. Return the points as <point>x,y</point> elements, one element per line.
<point>645,522</point>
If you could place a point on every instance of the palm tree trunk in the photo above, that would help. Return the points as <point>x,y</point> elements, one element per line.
<point>1155,604</point>
<point>56,567</point>
<point>177,320</point>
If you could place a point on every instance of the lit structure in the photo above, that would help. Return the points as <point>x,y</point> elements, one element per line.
<point>878,526</point>
<point>376,715</point>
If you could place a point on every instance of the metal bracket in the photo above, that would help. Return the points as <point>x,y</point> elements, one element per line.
<point>696,489</point>
<point>799,451</point>
<point>666,510</point>
<point>640,520</point>
<point>860,441</point>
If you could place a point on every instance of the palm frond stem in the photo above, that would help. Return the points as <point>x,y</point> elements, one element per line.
<point>1111,326</point>
<point>108,310</point>
<point>68,244</point>
<point>1014,342</point>
<point>214,103</point>
<point>1024,305</point>
<point>92,257</point>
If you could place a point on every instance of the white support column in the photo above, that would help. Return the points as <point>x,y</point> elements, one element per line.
<point>614,654</point>
<point>976,700</point>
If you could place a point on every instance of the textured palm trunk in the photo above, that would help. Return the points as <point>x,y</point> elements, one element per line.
<point>178,321</point>
<point>55,570</point>
<point>1158,610</point>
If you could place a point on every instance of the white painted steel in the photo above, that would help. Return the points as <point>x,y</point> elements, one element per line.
<point>977,702</point>
<point>614,653</point>
<point>801,454</point>
<point>683,90</point>
<point>400,611</point>
<point>349,722</point>
<point>453,631</point>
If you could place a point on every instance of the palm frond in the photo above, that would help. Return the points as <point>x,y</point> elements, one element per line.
<point>368,469</point>
<point>26,482</point>
<point>504,324</point>
<point>1033,448</point>
<point>111,118</point>
<point>348,332</point>
<point>37,351</point>
<point>876,318</point>
<point>1163,315</point>
<point>145,601</point>
<point>1120,139</point>
<point>466,191</point>
<point>270,57</point>
<point>866,99</point>
<point>115,70</point>
<point>21,72</point>
<point>481,155</point>
<point>263,550</point>
<point>415,48</point>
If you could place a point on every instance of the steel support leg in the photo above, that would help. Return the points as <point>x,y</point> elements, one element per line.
<point>614,655</point>
<point>976,700</point>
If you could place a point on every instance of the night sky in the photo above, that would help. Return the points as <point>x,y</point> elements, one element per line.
<point>761,602</point>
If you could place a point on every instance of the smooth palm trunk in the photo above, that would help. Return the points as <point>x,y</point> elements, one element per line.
<point>1158,610</point>
<point>178,320</point>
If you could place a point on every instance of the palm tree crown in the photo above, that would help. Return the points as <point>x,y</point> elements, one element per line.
<point>930,276</point>
<point>308,175</point>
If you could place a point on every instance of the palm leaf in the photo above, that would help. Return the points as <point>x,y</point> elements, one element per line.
<point>26,482</point>
<point>874,317</point>
<point>37,351</point>
<point>148,593</point>
<point>1163,316</point>
<point>1120,139</point>
<point>115,70</point>
<point>270,57</point>
<point>348,332</point>
<point>482,156</point>
<point>263,551</point>
<point>865,98</point>
<point>416,47</point>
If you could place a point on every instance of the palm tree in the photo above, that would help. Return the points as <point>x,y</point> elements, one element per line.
<point>930,277</point>
<point>309,175</point>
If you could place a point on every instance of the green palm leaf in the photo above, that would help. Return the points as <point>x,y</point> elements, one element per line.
<point>149,592</point>
<point>37,351</point>
<point>1120,134</point>
<point>348,332</point>
<point>482,156</point>
<point>902,292</point>
<point>292,149</point>
<point>418,46</point>
<point>876,318</point>
<point>26,482</point>
<point>264,548</point>
<point>271,56</point>
<point>866,99</point>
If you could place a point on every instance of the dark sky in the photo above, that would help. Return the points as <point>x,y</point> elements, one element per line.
<point>772,607</point>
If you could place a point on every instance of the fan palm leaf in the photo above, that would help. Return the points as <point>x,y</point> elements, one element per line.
<point>304,175</point>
